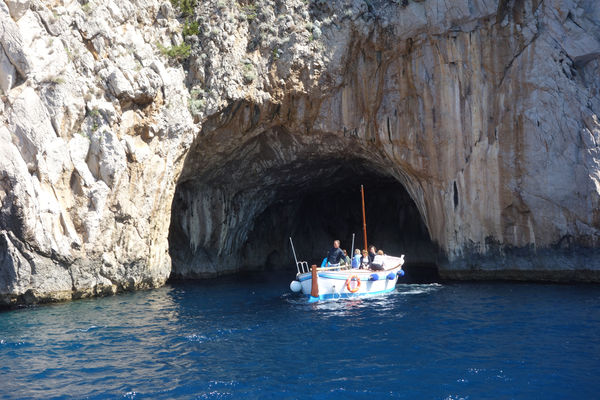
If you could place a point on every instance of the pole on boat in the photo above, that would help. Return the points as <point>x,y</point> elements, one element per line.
<point>314,289</point>
<point>295,258</point>
<point>352,248</point>
<point>362,195</point>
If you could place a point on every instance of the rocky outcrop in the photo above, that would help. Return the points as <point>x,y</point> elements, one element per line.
<point>485,111</point>
<point>94,122</point>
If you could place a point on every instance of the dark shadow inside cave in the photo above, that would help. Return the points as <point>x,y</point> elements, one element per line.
<point>314,208</point>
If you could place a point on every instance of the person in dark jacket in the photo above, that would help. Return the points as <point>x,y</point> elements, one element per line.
<point>372,253</point>
<point>335,254</point>
<point>364,261</point>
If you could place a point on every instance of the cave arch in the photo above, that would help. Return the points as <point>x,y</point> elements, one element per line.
<point>235,207</point>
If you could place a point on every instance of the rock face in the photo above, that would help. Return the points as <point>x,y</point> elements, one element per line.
<point>485,111</point>
<point>93,122</point>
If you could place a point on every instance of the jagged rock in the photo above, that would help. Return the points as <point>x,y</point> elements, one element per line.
<point>31,126</point>
<point>12,43</point>
<point>17,8</point>
<point>8,73</point>
<point>146,85</point>
<point>120,85</point>
<point>166,9</point>
<point>65,104</point>
<point>106,158</point>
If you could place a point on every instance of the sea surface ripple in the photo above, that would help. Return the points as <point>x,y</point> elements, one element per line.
<point>250,339</point>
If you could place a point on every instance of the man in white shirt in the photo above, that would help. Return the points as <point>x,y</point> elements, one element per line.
<point>378,262</point>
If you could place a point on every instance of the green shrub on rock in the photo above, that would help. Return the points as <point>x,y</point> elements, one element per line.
<point>179,52</point>
<point>185,6</point>
<point>190,28</point>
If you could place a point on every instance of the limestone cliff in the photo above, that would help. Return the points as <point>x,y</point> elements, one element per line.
<point>486,111</point>
<point>94,123</point>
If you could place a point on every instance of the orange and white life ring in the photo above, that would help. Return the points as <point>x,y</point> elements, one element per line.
<point>350,287</point>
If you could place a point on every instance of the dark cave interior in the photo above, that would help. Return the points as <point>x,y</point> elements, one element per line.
<point>317,202</point>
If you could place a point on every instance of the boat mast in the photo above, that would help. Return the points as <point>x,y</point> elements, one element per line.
<point>362,194</point>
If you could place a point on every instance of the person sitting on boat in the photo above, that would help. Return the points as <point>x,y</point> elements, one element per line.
<point>378,262</point>
<point>372,254</point>
<point>335,255</point>
<point>356,259</point>
<point>345,259</point>
<point>364,261</point>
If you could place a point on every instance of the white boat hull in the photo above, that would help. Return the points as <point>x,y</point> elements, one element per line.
<point>334,284</point>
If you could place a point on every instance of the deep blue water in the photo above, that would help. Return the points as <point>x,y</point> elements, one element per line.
<point>252,339</point>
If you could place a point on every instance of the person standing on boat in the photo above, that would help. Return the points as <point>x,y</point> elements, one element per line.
<point>335,254</point>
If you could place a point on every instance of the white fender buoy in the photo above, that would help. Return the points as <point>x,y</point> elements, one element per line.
<point>295,286</point>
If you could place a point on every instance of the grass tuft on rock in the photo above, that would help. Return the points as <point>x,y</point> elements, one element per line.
<point>186,7</point>
<point>179,52</point>
<point>190,28</point>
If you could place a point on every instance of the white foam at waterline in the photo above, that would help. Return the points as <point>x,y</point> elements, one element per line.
<point>418,288</point>
<point>89,328</point>
<point>196,338</point>
<point>215,394</point>
<point>456,397</point>
<point>216,384</point>
<point>219,334</point>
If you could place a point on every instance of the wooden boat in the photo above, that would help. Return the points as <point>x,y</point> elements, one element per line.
<point>334,282</point>
<point>326,283</point>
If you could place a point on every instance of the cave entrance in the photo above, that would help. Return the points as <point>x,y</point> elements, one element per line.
<point>332,210</point>
<point>236,211</point>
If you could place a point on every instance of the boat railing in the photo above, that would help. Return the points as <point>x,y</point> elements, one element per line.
<point>303,267</point>
<point>334,268</point>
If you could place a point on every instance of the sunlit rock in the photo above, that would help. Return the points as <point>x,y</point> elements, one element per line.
<point>128,157</point>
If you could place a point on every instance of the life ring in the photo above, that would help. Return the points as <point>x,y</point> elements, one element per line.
<point>349,280</point>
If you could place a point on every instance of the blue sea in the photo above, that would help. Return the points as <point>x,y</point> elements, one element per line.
<point>252,339</point>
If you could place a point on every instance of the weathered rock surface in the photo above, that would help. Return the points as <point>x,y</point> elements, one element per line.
<point>87,168</point>
<point>486,112</point>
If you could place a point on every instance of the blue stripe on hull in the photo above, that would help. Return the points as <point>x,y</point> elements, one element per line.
<point>331,296</point>
<point>331,276</point>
